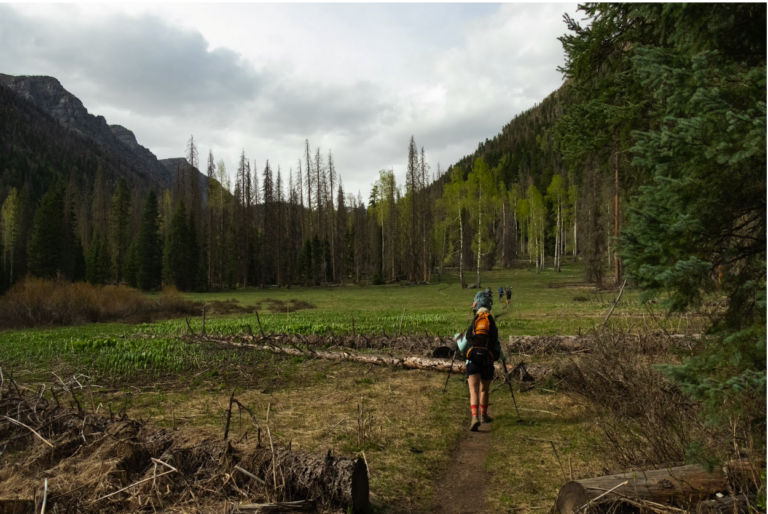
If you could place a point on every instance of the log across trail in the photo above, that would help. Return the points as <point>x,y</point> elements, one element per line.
<point>523,371</point>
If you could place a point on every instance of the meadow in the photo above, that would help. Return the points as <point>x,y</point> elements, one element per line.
<point>409,429</point>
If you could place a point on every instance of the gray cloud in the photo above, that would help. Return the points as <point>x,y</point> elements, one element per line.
<point>140,63</point>
<point>357,79</point>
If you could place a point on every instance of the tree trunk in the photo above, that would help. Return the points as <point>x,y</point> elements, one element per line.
<point>575,223</point>
<point>479,237</point>
<point>339,482</point>
<point>530,372</point>
<point>616,262</point>
<point>683,486</point>
<point>461,249</point>
<point>557,238</point>
<point>503,233</point>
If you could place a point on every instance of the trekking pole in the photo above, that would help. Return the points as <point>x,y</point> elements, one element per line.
<point>506,379</point>
<point>445,390</point>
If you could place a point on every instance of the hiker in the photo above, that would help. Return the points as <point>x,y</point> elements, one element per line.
<point>482,298</point>
<point>480,346</point>
<point>509,296</point>
<point>501,294</point>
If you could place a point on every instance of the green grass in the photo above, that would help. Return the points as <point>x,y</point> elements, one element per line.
<point>439,308</point>
<point>149,371</point>
<point>112,350</point>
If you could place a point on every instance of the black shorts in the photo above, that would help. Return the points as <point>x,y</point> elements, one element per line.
<point>486,372</point>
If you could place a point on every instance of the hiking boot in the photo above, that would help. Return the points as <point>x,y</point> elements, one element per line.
<point>475,424</point>
<point>485,418</point>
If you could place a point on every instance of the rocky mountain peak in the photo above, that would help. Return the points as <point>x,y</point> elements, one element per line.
<point>48,95</point>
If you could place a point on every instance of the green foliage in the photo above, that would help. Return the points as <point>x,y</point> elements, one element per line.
<point>149,247</point>
<point>119,217</point>
<point>131,266</point>
<point>680,88</point>
<point>181,253</point>
<point>98,262</point>
<point>45,253</point>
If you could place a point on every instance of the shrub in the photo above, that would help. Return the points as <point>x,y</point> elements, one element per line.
<point>39,302</point>
<point>644,419</point>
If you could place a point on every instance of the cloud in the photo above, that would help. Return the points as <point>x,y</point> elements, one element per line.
<point>138,62</point>
<point>358,79</point>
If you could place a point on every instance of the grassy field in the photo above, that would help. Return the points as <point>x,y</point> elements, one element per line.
<point>411,427</point>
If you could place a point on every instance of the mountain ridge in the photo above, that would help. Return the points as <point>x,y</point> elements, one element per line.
<point>49,95</point>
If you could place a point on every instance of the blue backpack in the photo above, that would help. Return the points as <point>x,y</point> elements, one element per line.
<point>483,299</point>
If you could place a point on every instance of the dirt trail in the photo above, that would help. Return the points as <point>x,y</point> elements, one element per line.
<point>463,489</point>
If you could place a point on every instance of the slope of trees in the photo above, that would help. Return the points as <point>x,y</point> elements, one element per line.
<point>672,96</point>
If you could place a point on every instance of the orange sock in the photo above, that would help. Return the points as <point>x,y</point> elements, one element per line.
<point>484,409</point>
<point>474,409</point>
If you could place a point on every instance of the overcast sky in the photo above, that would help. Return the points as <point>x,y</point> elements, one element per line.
<point>356,79</point>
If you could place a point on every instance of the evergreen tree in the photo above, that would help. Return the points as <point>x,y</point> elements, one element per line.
<point>149,247</point>
<point>9,222</point>
<point>79,265</point>
<point>679,91</point>
<point>98,261</point>
<point>179,259</point>
<point>131,266</point>
<point>119,219</point>
<point>45,251</point>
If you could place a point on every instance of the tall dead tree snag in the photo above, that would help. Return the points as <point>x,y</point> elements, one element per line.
<point>616,261</point>
<point>411,173</point>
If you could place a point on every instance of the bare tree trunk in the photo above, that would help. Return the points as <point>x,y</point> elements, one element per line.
<point>442,251</point>
<point>503,233</point>
<point>575,223</point>
<point>479,236</point>
<point>308,161</point>
<point>557,238</point>
<point>461,249</point>
<point>331,173</point>
<point>616,262</point>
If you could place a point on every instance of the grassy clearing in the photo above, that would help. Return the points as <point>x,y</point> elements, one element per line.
<point>526,473</point>
<point>410,428</point>
<point>408,431</point>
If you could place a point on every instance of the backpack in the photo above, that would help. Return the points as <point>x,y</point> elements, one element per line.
<point>480,337</point>
<point>483,299</point>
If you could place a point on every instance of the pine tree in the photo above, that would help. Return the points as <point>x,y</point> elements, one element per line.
<point>680,89</point>
<point>131,266</point>
<point>45,251</point>
<point>149,247</point>
<point>412,172</point>
<point>9,221</point>
<point>268,228</point>
<point>98,262</point>
<point>180,252</point>
<point>119,218</point>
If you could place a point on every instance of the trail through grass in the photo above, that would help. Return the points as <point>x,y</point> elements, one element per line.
<point>412,427</point>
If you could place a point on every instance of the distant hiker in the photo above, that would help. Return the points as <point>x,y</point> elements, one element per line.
<point>509,296</point>
<point>480,346</point>
<point>501,294</point>
<point>482,299</point>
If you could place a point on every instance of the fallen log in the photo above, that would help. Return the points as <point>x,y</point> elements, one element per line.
<point>265,508</point>
<point>522,371</point>
<point>726,505</point>
<point>337,481</point>
<point>144,459</point>
<point>682,486</point>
